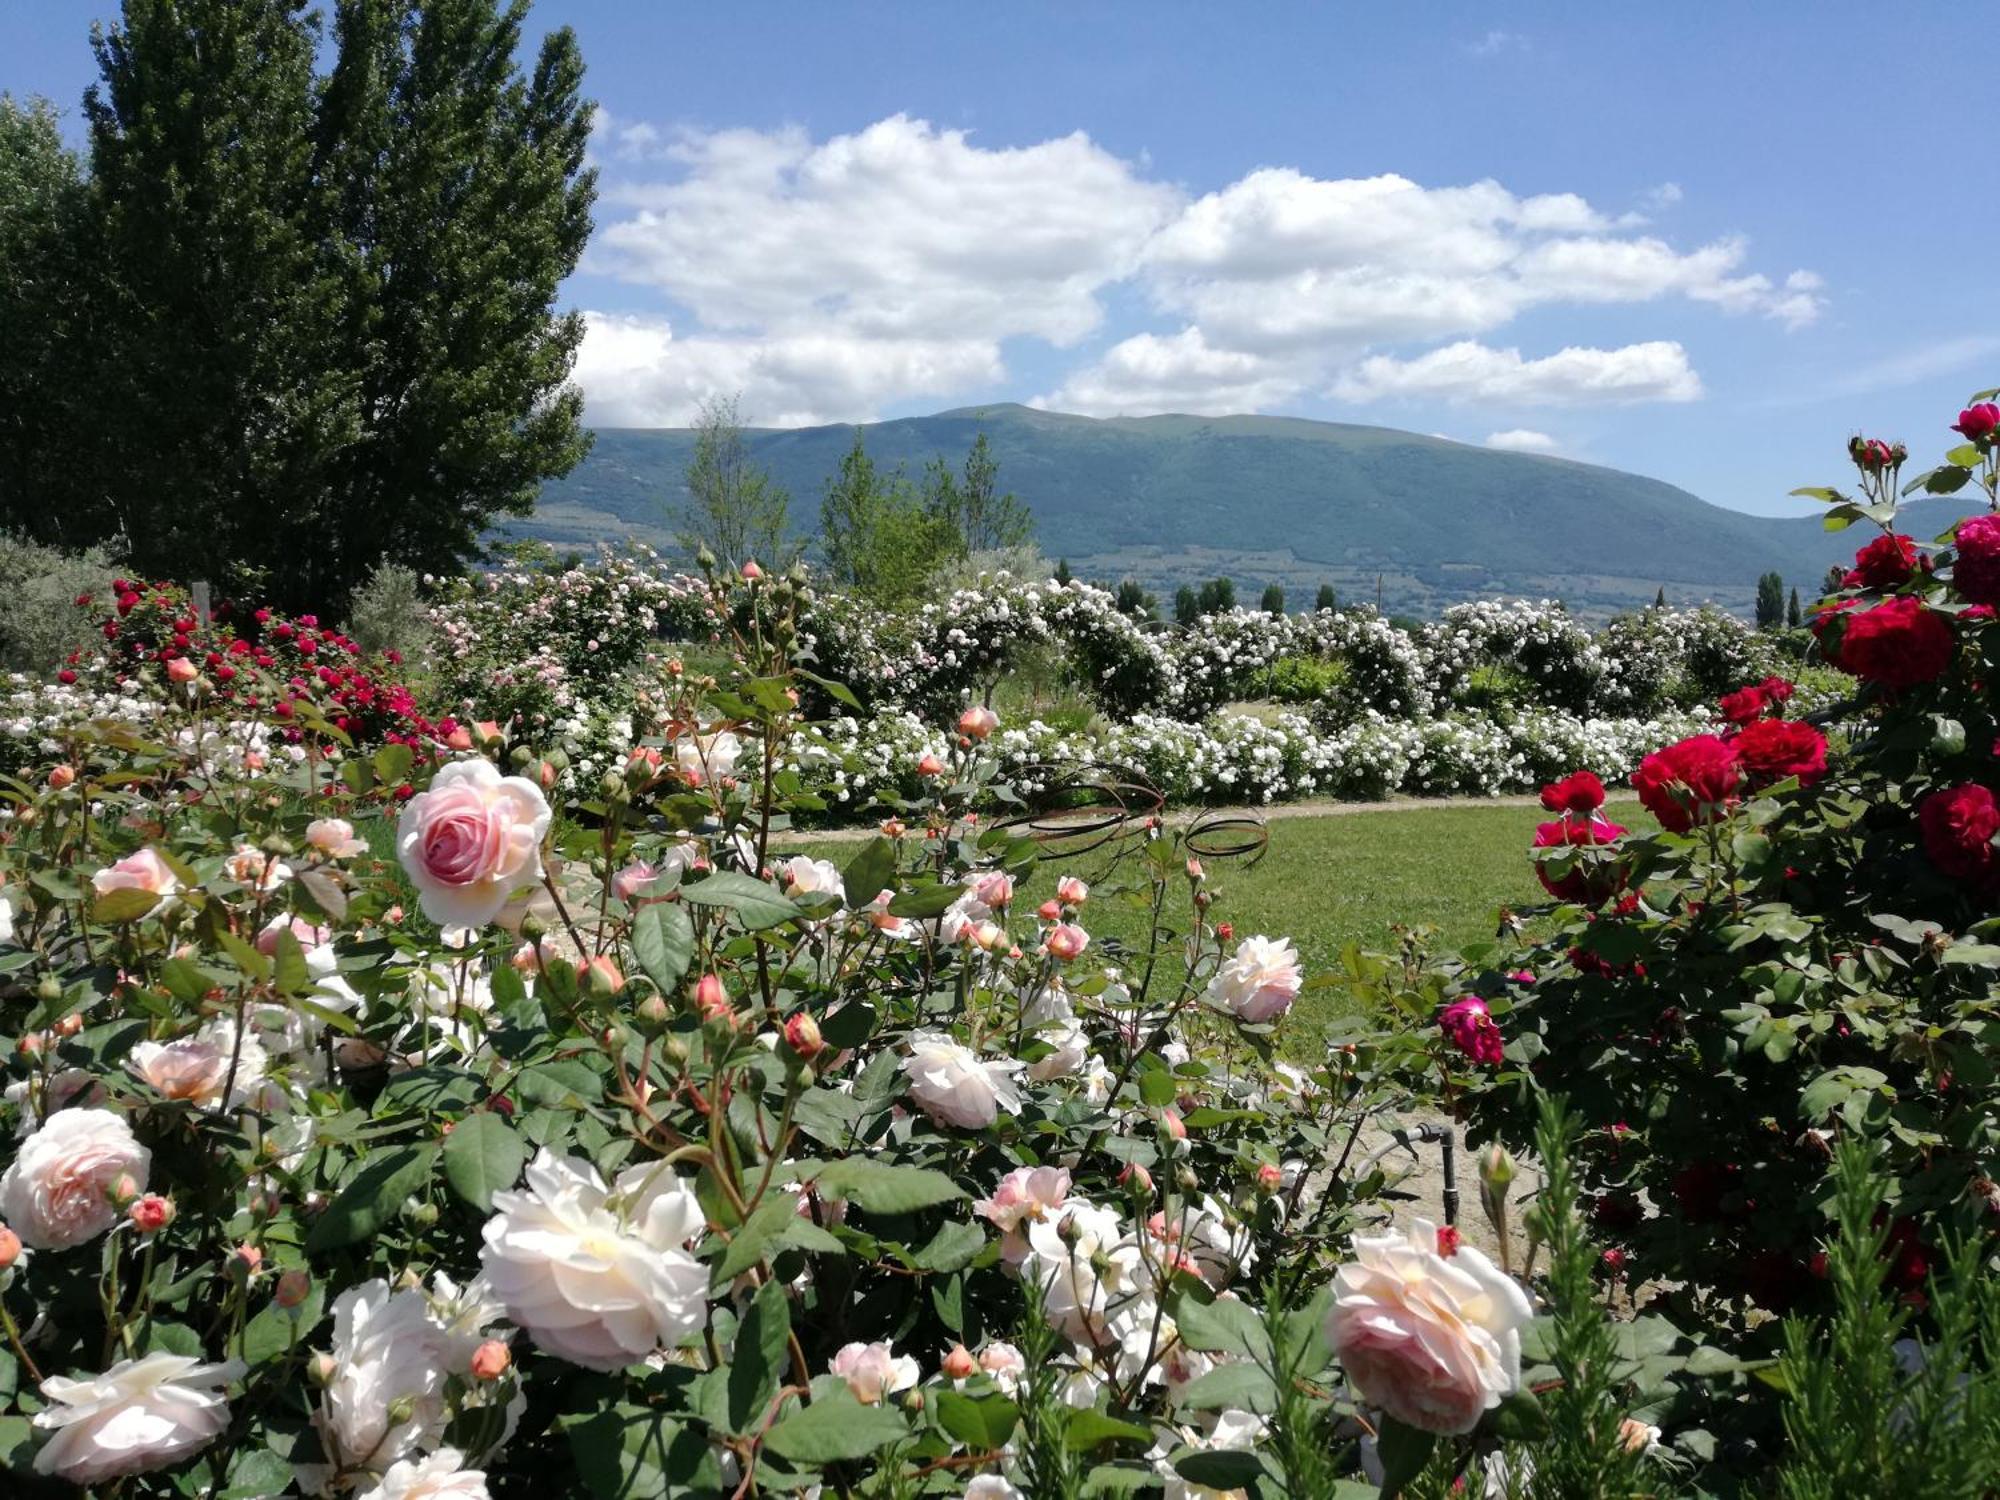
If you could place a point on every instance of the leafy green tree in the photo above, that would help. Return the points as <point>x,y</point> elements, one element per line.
<point>1660,598</point>
<point>45,484</point>
<point>1217,596</point>
<point>321,307</point>
<point>1770,601</point>
<point>971,503</point>
<point>1794,616</point>
<point>1327,599</point>
<point>1063,574</point>
<point>1187,606</point>
<point>879,537</point>
<point>1133,600</point>
<point>1274,599</point>
<point>734,508</point>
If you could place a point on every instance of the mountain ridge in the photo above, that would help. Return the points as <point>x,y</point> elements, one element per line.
<point>1425,521</point>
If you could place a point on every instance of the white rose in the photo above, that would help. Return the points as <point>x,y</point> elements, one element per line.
<point>139,1415</point>
<point>439,1476</point>
<point>1092,1273</point>
<point>1260,981</point>
<point>471,840</point>
<point>811,877</point>
<point>387,1351</point>
<point>953,1087</point>
<point>599,1278</point>
<point>991,1487</point>
<point>1435,1342</point>
<point>6,921</point>
<point>706,757</point>
<point>58,1192</point>
<point>873,1371</point>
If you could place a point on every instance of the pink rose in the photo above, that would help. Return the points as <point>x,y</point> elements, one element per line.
<point>334,837</point>
<point>1435,1343</point>
<point>1066,942</point>
<point>1470,1026</point>
<point>144,871</point>
<point>1258,982</point>
<point>977,722</point>
<point>471,840</point>
<point>66,1178</point>
<point>1026,1195</point>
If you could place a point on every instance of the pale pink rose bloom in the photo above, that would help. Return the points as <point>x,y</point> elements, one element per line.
<point>138,1416</point>
<point>442,1475</point>
<point>993,887</point>
<point>309,936</point>
<point>811,877</point>
<point>1005,1364</point>
<point>977,722</point>
<point>471,840</point>
<point>251,866</point>
<point>334,837</point>
<point>952,1085</point>
<point>1071,891</point>
<point>144,871</point>
<point>634,878</point>
<point>991,1487</point>
<point>59,1190</point>
<point>1024,1196</point>
<point>873,1371</point>
<point>1260,980</point>
<point>1066,942</point>
<point>195,1068</point>
<point>1434,1342</point>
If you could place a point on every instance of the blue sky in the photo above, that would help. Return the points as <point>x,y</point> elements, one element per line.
<point>1703,243</point>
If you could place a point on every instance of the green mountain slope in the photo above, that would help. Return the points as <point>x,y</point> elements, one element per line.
<point>1174,499</point>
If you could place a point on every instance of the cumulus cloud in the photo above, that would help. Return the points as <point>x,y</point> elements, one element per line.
<point>822,279</point>
<point>1523,440</point>
<point>1470,371</point>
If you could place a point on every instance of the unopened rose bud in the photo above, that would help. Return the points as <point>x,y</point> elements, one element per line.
<point>1270,1177</point>
<point>1069,1231</point>
<point>602,977</point>
<point>1224,931</point>
<point>322,1368</point>
<point>10,1247</point>
<point>1065,942</point>
<point>1049,911</point>
<point>294,1286</point>
<point>929,765</point>
<point>1173,1125</point>
<point>69,1025</point>
<point>48,988</point>
<point>705,560</point>
<point>653,1011</point>
<point>1496,1167</point>
<point>751,572</point>
<point>959,1364</point>
<point>1613,1260</point>
<point>802,1036</point>
<point>151,1214</point>
<point>491,1360</point>
<point>988,937</point>
<point>1187,1179</point>
<point>401,1410</point>
<point>123,1190</point>
<point>1135,1178</point>
<point>421,1212</point>
<point>245,1261</point>
<point>61,777</point>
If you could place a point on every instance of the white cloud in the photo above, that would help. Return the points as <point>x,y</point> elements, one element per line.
<point>1181,373</point>
<point>635,373</point>
<point>1496,42</point>
<point>1469,371</point>
<point>829,277</point>
<point>1523,440</point>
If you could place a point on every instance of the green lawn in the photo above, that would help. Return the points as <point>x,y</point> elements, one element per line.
<point>1327,881</point>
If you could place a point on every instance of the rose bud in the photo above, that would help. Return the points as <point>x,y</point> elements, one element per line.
<point>1447,1241</point>
<point>1066,942</point>
<point>1071,891</point>
<point>322,1368</point>
<point>930,765</point>
<point>1136,1178</point>
<point>1978,422</point>
<point>180,669</point>
<point>1614,1260</point>
<point>151,1214</point>
<point>977,722</point>
<point>892,828</point>
<point>10,1247</point>
<point>245,1261</point>
<point>602,976</point>
<point>61,777</point>
<point>1049,911</point>
<point>751,572</point>
<point>802,1036</point>
<point>711,999</point>
<point>491,1360</point>
<point>988,937</point>
<point>1225,931</point>
<point>1171,1122</point>
<point>959,1364</point>
<point>294,1286</point>
<point>1270,1177</point>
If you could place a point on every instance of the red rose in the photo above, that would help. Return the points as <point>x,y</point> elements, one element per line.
<point>1691,782</point>
<point>1586,884</point>
<point>1872,455</point>
<point>1578,792</point>
<point>1897,644</point>
<point>1958,825</point>
<point>1773,749</point>
<point>1744,706</point>
<point>1977,421</point>
<point>1976,574</point>
<point>1884,563</point>
<point>1777,689</point>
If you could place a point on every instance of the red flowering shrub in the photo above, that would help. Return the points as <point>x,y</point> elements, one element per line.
<point>1823,963</point>
<point>1574,879</point>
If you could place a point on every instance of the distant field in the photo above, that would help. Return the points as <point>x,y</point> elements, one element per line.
<point>1327,881</point>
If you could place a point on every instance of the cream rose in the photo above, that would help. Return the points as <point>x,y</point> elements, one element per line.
<point>144,871</point>
<point>58,1192</point>
<point>601,1278</point>
<point>471,840</point>
<point>196,1068</point>
<point>334,837</point>
<point>1434,1342</point>
<point>1260,981</point>
<point>386,1397</point>
<point>442,1475</point>
<point>139,1415</point>
<point>952,1085</point>
<point>1024,1196</point>
<point>873,1371</point>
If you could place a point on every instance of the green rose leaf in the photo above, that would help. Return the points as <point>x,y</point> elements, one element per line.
<point>482,1156</point>
<point>663,942</point>
<point>754,904</point>
<point>372,1197</point>
<point>833,1428</point>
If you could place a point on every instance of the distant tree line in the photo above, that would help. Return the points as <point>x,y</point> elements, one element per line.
<point>289,319</point>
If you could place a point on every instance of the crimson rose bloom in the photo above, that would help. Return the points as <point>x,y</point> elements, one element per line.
<point>1777,689</point>
<point>1976,574</point>
<point>1897,644</point>
<point>1578,792</point>
<point>1687,783</point>
<point>1958,825</point>
<point>1884,563</point>
<point>1590,884</point>
<point>1744,706</point>
<point>1773,749</point>
<point>1470,1027</point>
<point>1978,421</point>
